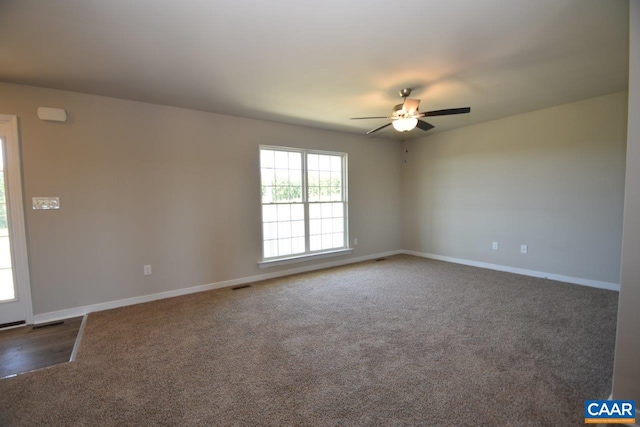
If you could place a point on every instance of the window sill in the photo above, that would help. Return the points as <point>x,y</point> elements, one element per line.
<point>303,258</point>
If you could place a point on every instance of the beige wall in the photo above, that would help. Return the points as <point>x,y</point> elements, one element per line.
<point>178,189</point>
<point>552,179</point>
<point>626,375</point>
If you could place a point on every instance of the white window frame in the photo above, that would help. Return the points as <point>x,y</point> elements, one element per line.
<point>308,254</point>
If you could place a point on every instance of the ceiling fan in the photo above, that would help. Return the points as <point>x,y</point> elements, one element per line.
<point>404,117</point>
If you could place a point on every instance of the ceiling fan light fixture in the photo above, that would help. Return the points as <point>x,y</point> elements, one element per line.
<point>404,117</point>
<point>405,125</point>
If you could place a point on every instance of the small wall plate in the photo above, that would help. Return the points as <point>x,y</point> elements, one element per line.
<point>45,203</point>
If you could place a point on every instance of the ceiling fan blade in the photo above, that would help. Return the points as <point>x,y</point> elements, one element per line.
<point>366,118</point>
<point>424,125</point>
<point>411,105</point>
<point>377,129</point>
<point>447,112</point>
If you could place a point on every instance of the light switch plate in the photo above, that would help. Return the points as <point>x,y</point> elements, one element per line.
<point>45,203</point>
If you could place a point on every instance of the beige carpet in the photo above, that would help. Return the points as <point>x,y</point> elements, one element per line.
<point>405,341</point>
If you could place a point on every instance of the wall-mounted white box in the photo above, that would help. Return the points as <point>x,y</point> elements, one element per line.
<point>45,203</point>
<point>52,114</point>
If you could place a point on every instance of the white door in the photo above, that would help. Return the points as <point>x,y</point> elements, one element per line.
<point>15,290</point>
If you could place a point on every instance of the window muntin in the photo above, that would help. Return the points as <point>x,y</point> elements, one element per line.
<point>304,201</point>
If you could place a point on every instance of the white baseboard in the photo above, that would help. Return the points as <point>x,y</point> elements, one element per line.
<point>81,311</point>
<point>524,272</point>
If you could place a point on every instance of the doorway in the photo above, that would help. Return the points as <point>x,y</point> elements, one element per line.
<point>15,289</point>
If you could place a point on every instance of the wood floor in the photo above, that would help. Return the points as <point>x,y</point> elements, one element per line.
<point>27,348</point>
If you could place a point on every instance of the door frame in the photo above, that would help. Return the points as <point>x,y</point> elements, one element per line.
<point>15,211</point>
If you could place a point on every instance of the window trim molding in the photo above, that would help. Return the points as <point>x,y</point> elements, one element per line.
<point>288,259</point>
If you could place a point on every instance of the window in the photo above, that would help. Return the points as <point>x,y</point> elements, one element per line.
<point>304,202</point>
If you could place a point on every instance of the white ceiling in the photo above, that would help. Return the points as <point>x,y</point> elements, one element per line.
<point>317,63</point>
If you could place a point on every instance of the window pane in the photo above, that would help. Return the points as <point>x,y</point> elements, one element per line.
<point>268,176</point>
<point>336,164</point>
<point>338,225</point>
<point>297,245</point>
<point>269,213</point>
<point>327,210</point>
<point>315,211</point>
<point>336,186</point>
<point>5,248</point>
<point>327,225</point>
<point>325,179</point>
<point>284,230</point>
<point>266,158</point>
<point>314,194</point>
<point>315,227</point>
<point>338,240</point>
<point>297,212</point>
<point>295,160</point>
<point>324,163</point>
<point>282,159</point>
<point>295,178</point>
<point>281,194</point>
<point>284,247</point>
<point>313,182</point>
<point>312,162</point>
<point>284,212</point>
<point>7,287</point>
<point>270,248</point>
<point>267,194</point>
<point>315,243</point>
<point>297,229</point>
<point>314,178</point>
<point>270,230</point>
<point>282,177</point>
<point>327,241</point>
<point>338,210</point>
<point>295,193</point>
<point>325,194</point>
